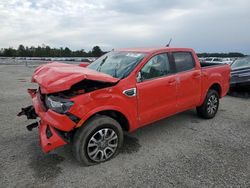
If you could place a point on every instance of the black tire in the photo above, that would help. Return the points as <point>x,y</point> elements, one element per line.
<point>204,110</point>
<point>86,134</point>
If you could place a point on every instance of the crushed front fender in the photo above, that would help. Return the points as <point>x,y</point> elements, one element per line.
<point>52,125</point>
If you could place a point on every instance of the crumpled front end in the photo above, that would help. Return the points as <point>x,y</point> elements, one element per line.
<point>53,127</point>
<point>53,104</point>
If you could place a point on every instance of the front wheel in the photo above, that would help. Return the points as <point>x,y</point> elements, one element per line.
<point>210,105</point>
<point>98,140</point>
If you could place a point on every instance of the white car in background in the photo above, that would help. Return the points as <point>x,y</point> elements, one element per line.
<point>228,60</point>
<point>213,60</point>
<point>202,59</point>
<point>219,60</point>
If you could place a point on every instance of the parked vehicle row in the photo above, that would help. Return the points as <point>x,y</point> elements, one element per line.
<point>240,73</point>
<point>240,69</point>
<point>217,60</point>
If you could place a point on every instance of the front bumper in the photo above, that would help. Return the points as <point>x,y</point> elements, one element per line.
<point>49,138</point>
<point>51,124</point>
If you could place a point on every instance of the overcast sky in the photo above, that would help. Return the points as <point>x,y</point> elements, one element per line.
<point>205,25</point>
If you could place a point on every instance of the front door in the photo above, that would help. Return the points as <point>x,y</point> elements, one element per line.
<point>156,90</point>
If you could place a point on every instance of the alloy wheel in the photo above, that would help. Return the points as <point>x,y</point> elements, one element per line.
<point>102,145</point>
<point>212,104</point>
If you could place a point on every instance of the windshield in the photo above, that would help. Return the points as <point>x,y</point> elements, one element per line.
<point>240,63</point>
<point>117,64</point>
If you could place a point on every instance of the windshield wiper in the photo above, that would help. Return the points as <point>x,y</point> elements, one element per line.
<point>115,70</point>
<point>100,66</point>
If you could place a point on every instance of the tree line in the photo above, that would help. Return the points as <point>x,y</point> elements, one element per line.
<point>47,51</point>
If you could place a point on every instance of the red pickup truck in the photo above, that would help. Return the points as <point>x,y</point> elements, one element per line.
<point>123,90</point>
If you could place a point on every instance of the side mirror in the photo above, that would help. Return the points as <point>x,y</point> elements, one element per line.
<point>139,77</point>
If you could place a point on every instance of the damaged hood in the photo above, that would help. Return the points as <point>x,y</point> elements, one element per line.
<point>55,77</point>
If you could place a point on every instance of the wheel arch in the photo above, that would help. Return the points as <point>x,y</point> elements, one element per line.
<point>119,116</point>
<point>217,87</point>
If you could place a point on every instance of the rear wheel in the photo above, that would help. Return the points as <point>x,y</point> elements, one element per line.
<point>210,105</point>
<point>98,140</point>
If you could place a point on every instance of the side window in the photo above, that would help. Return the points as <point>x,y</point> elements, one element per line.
<point>157,66</point>
<point>183,61</point>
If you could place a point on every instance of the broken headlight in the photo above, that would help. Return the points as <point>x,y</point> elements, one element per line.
<point>58,104</point>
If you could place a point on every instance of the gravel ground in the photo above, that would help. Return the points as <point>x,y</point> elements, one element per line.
<point>180,151</point>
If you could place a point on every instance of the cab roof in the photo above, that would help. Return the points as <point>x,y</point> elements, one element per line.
<point>152,50</point>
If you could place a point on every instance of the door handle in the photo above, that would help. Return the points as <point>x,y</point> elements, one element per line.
<point>171,82</point>
<point>130,92</point>
<point>196,75</point>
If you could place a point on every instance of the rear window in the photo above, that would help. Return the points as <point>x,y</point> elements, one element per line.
<point>183,61</point>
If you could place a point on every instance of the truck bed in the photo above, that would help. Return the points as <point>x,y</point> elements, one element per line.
<point>219,72</point>
<point>210,64</point>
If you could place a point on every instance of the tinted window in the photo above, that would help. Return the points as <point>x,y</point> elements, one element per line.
<point>157,66</point>
<point>183,61</point>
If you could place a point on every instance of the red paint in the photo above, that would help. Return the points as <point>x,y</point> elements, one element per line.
<point>51,119</point>
<point>156,99</point>
<point>83,64</point>
<point>54,77</point>
<point>51,143</point>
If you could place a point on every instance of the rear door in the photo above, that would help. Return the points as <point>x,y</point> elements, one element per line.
<point>188,78</point>
<point>156,89</point>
